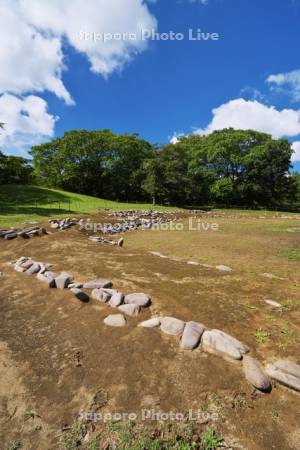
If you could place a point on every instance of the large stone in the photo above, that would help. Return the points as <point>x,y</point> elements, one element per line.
<point>215,341</point>
<point>63,281</point>
<point>82,296</point>
<point>170,325</point>
<point>97,284</point>
<point>10,235</point>
<point>288,367</point>
<point>100,295</point>
<point>139,299</point>
<point>47,279</point>
<point>116,299</point>
<point>283,377</point>
<point>255,374</point>
<point>191,335</point>
<point>130,309</point>
<point>35,268</point>
<point>115,320</point>
<point>150,323</point>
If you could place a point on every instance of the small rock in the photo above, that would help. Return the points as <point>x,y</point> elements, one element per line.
<point>273,303</point>
<point>215,341</point>
<point>193,263</point>
<point>75,285</point>
<point>82,296</point>
<point>170,325</point>
<point>130,309</point>
<point>9,236</point>
<point>224,268</point>
<point>150,323</point>
<point>191,335</point>
<point>47,279</point>
<point>271,276</point>
<point>97,284</point>
<point>116,299</point>
<point>100,295</point>
<point>35,268</point>
<point>63,281</point>
<point>139,299</point>
<point>19,268</point>
<point>255,374</point>
<point>115,320</point>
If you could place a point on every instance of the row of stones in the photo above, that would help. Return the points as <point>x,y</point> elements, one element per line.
<point>24,233</point>
<point>192,334</point>
<point>63,224</point>
<point>130,304</point>
<point>220,267</point>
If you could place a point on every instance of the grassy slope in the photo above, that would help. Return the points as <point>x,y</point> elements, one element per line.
<point>19,204</point>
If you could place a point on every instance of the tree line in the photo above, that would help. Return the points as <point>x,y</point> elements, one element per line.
<point>227,167</point>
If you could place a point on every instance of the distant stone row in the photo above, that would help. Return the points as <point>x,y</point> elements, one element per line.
<point>24,233</point>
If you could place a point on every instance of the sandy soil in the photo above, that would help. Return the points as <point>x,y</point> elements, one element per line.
<point>56,353</point>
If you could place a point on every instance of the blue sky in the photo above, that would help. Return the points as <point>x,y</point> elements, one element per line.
<point>250,77</point>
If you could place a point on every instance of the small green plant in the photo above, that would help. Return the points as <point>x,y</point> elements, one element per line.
<point>287,305</point>
<point>292,255</point>
<point>210,440</point>
<point>262,336</point>
<point>29,415</point>
<point>15,445</point>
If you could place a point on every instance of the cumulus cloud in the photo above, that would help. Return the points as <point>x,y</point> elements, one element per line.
<point>296,154</point>
<point>34,34</point>
<point>288,82</point>
<point>242,114</point>
<point>27,121</point>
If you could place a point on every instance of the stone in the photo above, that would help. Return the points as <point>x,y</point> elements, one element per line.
<point>23,235</point>
<point>116,299</point>
<point>271,276</point>
<point>215,341</point>
<point>82,296</point>
<point>63,281</point>
<point>130,309</point>
<point>120,242</point>
<point>47,279</point>
<point>115,320</point>
<point>35,268</point>
<point>283,377</point>
<point>138,299</point>
<point>288,367</point>
<point>193,263</point>
<point>150,323</point>
<point>191,335</point>
<point>19,268</point>
<point>10,235</point>
<point>255,374</point>
<point>97,284</point>
<point>273,303</point>
<point>224,268</point>
<point>170,325</point>
<point>27,264</point>
<point>100,295</point>
<point>77,285</point>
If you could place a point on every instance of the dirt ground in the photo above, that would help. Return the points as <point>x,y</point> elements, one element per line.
<point>56,353</point>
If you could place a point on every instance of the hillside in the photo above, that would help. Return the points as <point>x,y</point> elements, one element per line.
<point>22,203</point>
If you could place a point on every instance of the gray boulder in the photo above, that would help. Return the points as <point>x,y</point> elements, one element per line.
<point>115,320</point>
<point>215,341</point>
<point>116,299</point>
<point>191,335</point>
<point>47,279</point>
<point>35,268</point>
<point>139,299</point>
<point>150,323</point>
<point>63,281</point>
<point>97,284</point>
<point>255,374</point>
<point>288,367</point>
<point>130,310</point>
<point>82,296</point>
<point>172,326</point>
<point>10,235</point>
<point>289,379</point>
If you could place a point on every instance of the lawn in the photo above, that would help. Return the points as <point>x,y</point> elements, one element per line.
<point>19,204</point>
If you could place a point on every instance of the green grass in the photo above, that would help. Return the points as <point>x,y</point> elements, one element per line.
<point>292,255</point>
<point>23,204</point>
<point>262,336</point>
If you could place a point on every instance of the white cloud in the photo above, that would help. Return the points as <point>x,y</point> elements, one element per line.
<point>244,115</point>
<point>296,154</point>
<point>288,82</point>
<point>27,121</point>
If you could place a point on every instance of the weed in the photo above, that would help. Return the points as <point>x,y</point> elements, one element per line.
<point>15,445</point>
<point>287,305</point>
<point>262,336</point>
<point>210,440</point>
